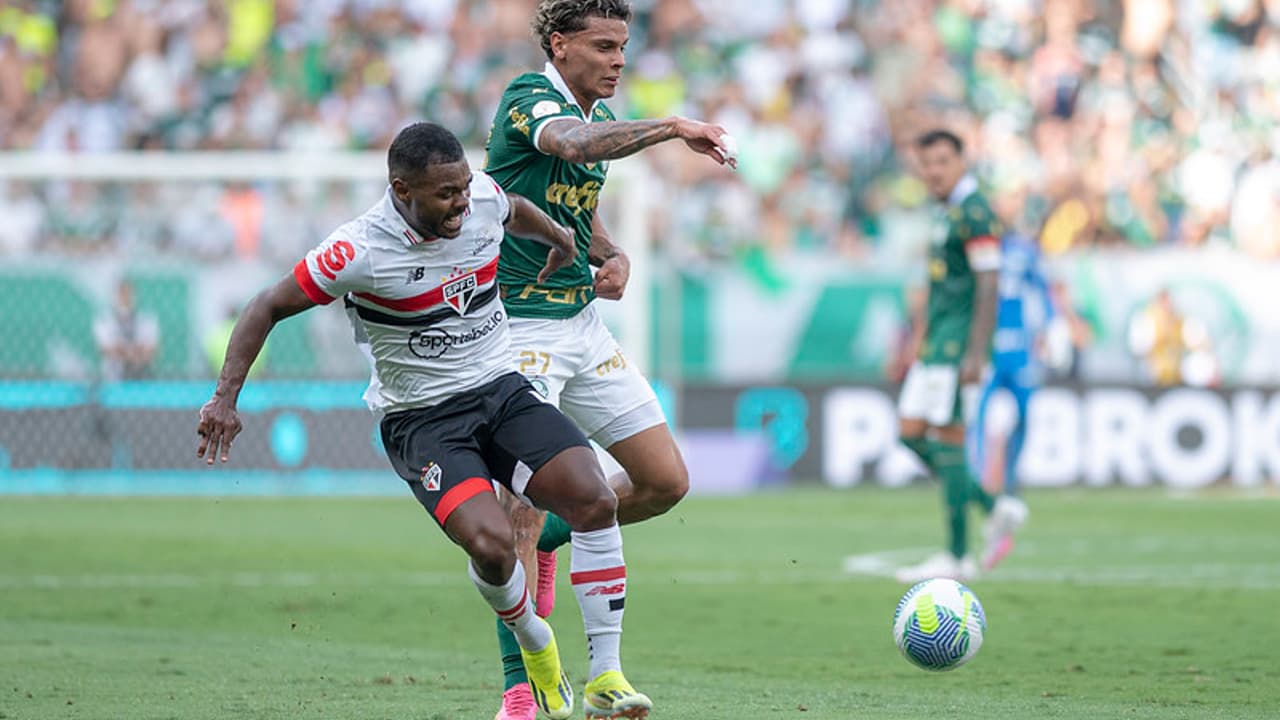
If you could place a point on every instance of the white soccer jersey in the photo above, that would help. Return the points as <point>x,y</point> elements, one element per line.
<point>425,310</point>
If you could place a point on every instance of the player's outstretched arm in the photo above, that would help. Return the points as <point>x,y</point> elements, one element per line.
<point>529,221</point>
<point>615,266</point>
<point>219,421</point>
<point>582,142</point>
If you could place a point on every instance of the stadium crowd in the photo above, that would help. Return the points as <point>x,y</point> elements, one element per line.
<point>1134,122</point>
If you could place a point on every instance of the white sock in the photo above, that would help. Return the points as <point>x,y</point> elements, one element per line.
<point>599,579</point>
<point>511,601</point>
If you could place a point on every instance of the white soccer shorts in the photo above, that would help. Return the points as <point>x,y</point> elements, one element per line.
<point>576,364</point>
<point>931,393</point>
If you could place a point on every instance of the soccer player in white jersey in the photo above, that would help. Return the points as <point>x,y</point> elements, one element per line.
<point>417,273</point>
<point>551,140</point>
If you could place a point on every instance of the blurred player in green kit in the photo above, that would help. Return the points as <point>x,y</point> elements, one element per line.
<point>954,344</point>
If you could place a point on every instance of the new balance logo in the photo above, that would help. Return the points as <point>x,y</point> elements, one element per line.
<point>415,275</point>
<point>607,589</point>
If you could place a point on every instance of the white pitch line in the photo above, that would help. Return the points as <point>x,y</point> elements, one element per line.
<point>883,563</point>
<point>1255,576</point>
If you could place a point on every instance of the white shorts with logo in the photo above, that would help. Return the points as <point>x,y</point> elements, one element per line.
<point>577,365</point>
<point>931,393</point>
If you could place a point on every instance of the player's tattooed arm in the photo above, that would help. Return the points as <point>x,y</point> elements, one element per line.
<point>981,326</point>
<point>583,142</point>
<point>529,221</point>
<point>219,421</point>
<point>615,267</point>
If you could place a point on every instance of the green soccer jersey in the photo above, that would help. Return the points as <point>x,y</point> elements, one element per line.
<point>566,191</point>
<point>965,242</point>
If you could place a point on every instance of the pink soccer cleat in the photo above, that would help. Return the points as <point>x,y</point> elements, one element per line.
<point>1009,515</point>
<point>517,704</point>
<point>544,596</point>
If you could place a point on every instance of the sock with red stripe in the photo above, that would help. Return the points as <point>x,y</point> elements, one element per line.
<point>599,579</point>
<point>511,601</point>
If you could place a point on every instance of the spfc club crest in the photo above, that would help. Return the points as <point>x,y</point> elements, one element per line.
<point>458,292</point>
<point>430,477</point>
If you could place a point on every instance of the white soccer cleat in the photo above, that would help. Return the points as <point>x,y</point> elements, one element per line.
<point>942,565</point>
<point>1009,514</point>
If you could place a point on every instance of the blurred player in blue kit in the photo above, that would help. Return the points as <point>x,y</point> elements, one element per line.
<point>1023,309</point>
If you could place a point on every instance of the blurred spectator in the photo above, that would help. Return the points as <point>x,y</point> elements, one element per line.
<point>1255,217</point>
<point>127,338</point>
<point>1200,364</point>
<point>1138,122</point>
<point>23,219</point>
<point>1157,336</point>
<point>81,216</point>
<point>242,208</point>
<point>1067,335</point>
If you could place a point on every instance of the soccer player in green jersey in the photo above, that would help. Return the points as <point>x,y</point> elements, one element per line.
<point>954,343</point>
<point>552,139</point>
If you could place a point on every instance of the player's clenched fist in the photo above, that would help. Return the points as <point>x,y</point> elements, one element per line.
<point>611,278</point>
<point>219,425</point>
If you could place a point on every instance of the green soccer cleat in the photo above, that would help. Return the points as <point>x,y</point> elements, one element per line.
<point>551,689</point>
<point>609,695</point>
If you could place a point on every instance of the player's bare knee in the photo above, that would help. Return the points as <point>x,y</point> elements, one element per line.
<point>593,511</point>
<point>492,550</point>
<point>668,491</point>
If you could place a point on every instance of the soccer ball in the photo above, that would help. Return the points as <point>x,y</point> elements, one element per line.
<point>939,624</point>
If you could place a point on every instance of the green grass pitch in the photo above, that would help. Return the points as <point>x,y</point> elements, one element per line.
<point>1116,604</point>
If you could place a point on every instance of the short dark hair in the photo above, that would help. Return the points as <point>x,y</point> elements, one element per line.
<point>420,145</point>
<point>933,137</point>
<point>567,16</point>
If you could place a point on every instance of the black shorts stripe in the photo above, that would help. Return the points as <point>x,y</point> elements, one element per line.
<point>435,316</point>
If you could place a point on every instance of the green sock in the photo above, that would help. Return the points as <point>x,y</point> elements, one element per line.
<point>555,532</point>
<point>953,471</point>
<point>919,446</point>
<point>512,662</point>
